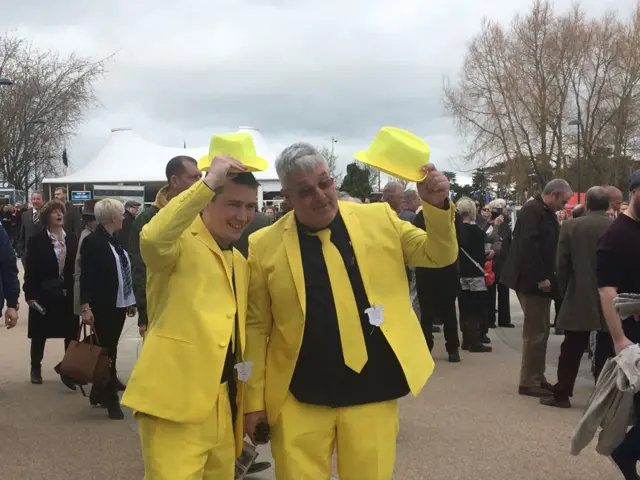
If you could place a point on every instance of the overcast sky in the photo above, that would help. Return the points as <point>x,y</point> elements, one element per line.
<point>297,70</point>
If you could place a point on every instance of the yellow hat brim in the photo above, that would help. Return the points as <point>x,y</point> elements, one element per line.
<point>390,168</point>
<point>257,164</point>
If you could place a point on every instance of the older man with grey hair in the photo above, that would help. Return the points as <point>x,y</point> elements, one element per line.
<point>331,331</point>
<point>580,313</point>
<point>393,194</point>
<point>530,271</point>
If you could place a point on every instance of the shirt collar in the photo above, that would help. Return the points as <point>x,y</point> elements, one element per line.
<point>335,223</point>
<point>53,237</point>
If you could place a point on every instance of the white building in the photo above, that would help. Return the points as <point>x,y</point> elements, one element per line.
<point>130,167</point>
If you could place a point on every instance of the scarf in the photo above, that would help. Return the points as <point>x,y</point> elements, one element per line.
<point>125,267</point>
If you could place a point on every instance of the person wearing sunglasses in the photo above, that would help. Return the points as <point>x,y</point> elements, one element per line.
<point>331,330</point>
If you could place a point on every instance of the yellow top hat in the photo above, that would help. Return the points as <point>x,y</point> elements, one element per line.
<point>237,145</point>
<point>398,153</point>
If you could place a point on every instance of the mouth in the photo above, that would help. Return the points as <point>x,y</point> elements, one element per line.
<point>236,227</point>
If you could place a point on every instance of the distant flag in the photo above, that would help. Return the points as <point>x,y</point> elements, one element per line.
<point>487,197</point>
<point>451,196</point>
<point>65,160</point>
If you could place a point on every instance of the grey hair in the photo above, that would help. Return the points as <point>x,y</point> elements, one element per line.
<point>467,208</point>
<point>390,187</point>
<point>557,185</point>
<point>106,210</point>
<point>597,199</point>
<point>299,157</point>
<point>343,196</point>
<point>498,203</point>
<point>410,196</point>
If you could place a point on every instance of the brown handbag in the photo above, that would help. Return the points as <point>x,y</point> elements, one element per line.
<point>85,361</point>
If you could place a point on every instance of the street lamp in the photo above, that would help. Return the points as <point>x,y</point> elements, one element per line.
<point>578,123</point>
<point>5,81</point>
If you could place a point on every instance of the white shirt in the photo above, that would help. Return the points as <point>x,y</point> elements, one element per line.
<point>59,248</point>
<point>123,302</point>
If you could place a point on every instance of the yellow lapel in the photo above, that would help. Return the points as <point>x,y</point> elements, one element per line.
<point>201,233</point>
<point>359,244</point>
<point>292,247</point>
<point>241,286</point>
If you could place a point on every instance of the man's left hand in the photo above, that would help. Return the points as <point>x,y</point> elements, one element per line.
<point>434,189</point>
<point>11,317</point>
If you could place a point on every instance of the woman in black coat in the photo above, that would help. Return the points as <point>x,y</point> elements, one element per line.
<point>106,293</point>
<point>48,287</point>
<point>472,300</point>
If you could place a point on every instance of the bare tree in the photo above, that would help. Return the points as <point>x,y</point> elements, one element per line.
<point>521,85</point>
<point>42,110</point>
<point>332,161</point>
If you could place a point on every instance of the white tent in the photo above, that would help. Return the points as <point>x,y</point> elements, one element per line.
<point>128,158</point>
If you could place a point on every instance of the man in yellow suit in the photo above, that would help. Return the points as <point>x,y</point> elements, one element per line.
<point>330,326</point>
<point>179,388</point>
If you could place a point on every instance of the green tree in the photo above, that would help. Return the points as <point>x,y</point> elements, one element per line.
<point>357,181</point>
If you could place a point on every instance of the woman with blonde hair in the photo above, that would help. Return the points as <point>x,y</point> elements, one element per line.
<point>473,293</point>
<point>106,293</point>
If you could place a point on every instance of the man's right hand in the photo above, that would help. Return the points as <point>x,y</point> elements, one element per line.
<point>220,169</point>
<point>251,421</point>
<point>142,329</point>
<point>544,285</point>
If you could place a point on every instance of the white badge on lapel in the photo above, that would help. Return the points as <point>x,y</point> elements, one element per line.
<point>244,370</point>
<point>376,315</point>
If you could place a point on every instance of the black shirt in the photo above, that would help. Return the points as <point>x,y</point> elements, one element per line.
<point>618,256</point>
<point>320,376</point>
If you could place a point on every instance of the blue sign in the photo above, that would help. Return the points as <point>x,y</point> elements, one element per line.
<point>77,196</point>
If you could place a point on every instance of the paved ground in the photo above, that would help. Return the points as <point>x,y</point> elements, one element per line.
<point>468,424</point>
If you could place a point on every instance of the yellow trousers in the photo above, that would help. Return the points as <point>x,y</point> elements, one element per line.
<point>190,451</point>
<point>304,438</point>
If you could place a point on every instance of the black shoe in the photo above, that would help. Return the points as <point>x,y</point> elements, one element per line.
<point>492,325</point>
<point>435,329</point>
<point>464,346</point>
<point>536,391</point>
<point>559,331</point>
<point>454,357</point>
<point>36,376</point>
<point>626,464</point>
<point>480,349</point>
<point>552,401</point>
<point>65,379</point>
<point>120,387</point>
<point>258,467</point>
<point>507,325</point>
<point>95,397</point>
<point>114,411</point>
<point>486,340</point>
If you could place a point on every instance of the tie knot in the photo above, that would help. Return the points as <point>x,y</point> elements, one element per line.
<point>324,236</point>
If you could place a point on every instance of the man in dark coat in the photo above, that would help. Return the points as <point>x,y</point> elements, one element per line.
<point>72,215</point>
<point>530,271</point>
<point>30,224</point>
<point>580,313</point>
<point>9,284</point>
<point>437,290</point>
<point>131,209</point>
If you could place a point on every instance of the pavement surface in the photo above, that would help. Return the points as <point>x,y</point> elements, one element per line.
<point>469,423</point>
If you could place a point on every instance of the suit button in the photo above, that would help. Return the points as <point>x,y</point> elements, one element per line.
<point>223,344</point>
<point>230,315</point>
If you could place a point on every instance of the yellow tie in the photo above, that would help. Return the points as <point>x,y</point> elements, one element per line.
<point>354,349</point>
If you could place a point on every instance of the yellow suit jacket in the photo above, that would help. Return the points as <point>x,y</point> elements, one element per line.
<point>383,245</point>
<point>192,310</point>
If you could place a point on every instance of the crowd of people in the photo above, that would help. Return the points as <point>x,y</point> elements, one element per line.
<point>300,323</point>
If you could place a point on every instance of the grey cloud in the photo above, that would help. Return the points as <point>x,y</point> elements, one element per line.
<point>297,69</point>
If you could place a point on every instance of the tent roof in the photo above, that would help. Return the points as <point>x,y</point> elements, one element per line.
<point>128,158</point>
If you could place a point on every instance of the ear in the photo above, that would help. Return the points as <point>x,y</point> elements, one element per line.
<point>285,193</point>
